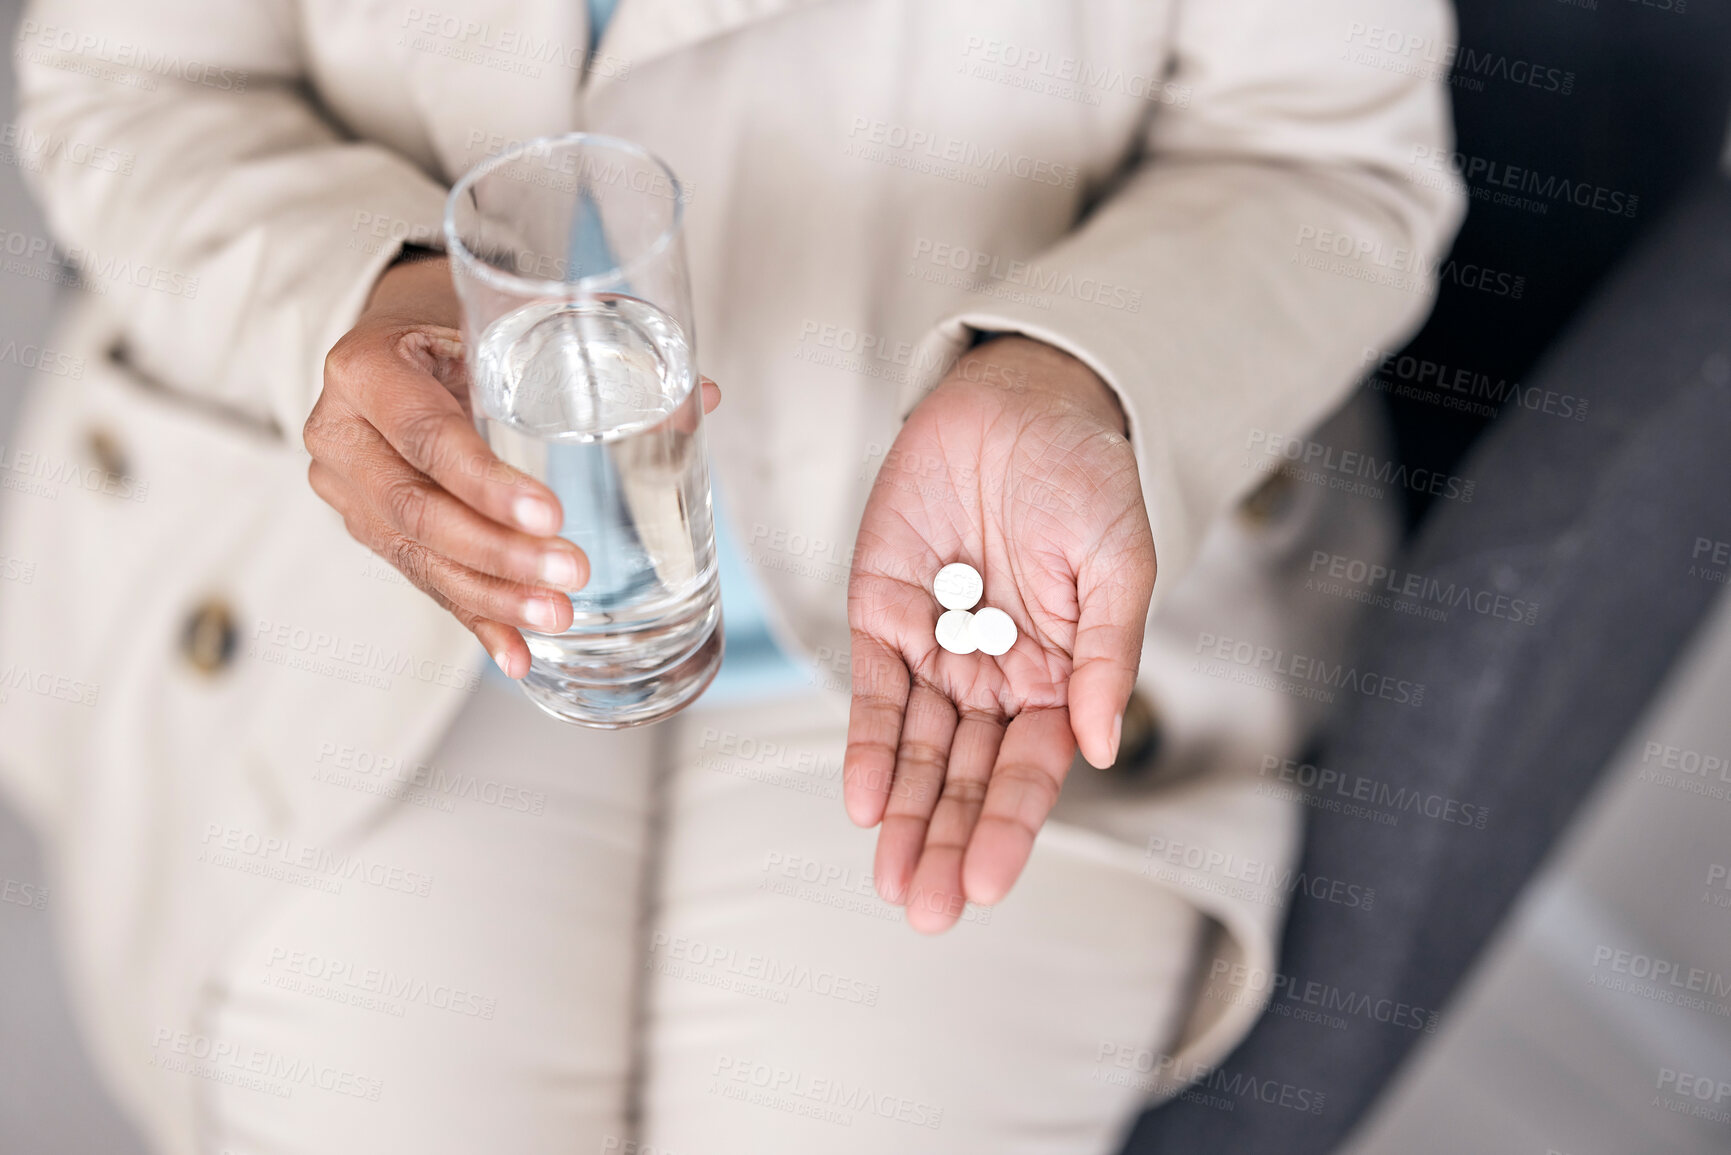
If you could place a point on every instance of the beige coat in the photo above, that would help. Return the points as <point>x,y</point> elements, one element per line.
<point>1206,200</point>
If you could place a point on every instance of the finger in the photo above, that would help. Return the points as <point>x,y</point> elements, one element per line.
<point>874,728</point>
<point>418,509</point>
<point>426,424</point>
<point>1031,765</point>
<point>924,750</point>
<point>1113,602</point>
<point>683,419</point>
<point>514,603</point>
<point>936,896</point>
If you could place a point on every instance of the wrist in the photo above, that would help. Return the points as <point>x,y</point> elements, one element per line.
<point>1035,366</point>
<point>417,286</point>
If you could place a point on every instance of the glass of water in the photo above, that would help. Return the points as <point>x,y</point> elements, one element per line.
<point>569,259</point>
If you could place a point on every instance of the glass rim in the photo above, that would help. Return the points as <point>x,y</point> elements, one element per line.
<point>461,254</point>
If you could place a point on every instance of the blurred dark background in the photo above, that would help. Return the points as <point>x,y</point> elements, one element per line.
<point>1645,116</point>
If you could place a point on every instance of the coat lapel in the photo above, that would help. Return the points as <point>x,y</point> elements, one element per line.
<point>644,30</point>
<point>488,72</point>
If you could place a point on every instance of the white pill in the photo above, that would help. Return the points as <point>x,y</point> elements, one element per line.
<point>956,632</point>
<point>958,586</point>
<point>994,631</point>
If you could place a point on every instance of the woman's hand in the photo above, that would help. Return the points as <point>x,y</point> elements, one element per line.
<point>960,757</point>
<point>395,451</point>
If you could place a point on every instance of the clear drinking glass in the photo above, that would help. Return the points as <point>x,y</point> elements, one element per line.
<point>569,259</point>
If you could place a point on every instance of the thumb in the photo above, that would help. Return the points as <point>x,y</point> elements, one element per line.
<point>1113,591</point>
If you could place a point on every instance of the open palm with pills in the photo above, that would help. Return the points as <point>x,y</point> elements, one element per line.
<point>957,751</point>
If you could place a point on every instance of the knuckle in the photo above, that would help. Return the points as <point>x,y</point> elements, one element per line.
<point>422,435</point>
<point>921,753</point>
<point>342,363</point>
<point>318,434</point>
<point>969,792</point>
<point>408,504</point>
<point>415,562</point>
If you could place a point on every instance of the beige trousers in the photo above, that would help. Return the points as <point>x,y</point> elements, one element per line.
<point>666,941</point>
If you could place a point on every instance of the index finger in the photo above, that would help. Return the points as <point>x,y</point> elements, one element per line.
<point>425,423</point>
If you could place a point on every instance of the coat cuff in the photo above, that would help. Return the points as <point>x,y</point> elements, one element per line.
<point>409,214</point>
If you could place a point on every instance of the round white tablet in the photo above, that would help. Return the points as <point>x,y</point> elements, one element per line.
<point>956,632</point>
<point>994,631</point>
<point>958,586</point>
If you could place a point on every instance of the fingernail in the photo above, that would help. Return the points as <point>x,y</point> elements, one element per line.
<point>559,570</point>
<point>535,516</point>
<point>1117,734</point>
<point>539,613</point>
<point>503,662</point>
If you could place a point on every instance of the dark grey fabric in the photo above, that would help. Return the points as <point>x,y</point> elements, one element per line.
<point>1595,521</point>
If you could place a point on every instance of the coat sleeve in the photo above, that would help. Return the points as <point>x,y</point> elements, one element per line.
<point>232,230</point>
<point>1282,145</point>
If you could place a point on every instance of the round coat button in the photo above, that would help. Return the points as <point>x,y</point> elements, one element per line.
<point>208,639</point>
<point>1270,501</point>
<point>105,451</point>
